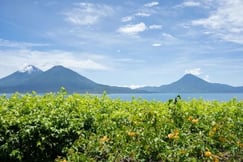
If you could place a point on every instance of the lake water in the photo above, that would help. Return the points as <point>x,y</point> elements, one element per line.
<point>185,96</point>
<point>167,96</point>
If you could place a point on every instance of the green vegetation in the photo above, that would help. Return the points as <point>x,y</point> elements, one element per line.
<point>73,128</point>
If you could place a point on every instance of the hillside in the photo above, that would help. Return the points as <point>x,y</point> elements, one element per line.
<point>192,84</point>
<point>52,80</point>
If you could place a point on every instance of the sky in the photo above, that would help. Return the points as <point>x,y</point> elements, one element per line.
<point>125,43</point>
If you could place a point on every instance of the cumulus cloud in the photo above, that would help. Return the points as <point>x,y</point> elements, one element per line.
<point>151,4</point>
<point>156,45</point>
<point>225,22</point>
<point>155,26</point>
<point>14,59</point>
<point>194,71</point>
<point>132,29</point>
<point>87,13</point>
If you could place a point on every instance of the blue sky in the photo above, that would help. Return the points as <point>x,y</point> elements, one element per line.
<point>125,43</point>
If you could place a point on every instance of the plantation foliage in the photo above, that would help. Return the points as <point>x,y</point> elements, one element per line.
<point>61,127</point>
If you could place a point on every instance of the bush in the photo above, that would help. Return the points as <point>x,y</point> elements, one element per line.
<point>61,127</point>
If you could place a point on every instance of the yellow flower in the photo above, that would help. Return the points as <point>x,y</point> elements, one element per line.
<point>104,139</point>
<point>207,154</point>
<point>240,144</point>
<point>195,121</point>
<point>132,134</point>
<point>171,135</point>
<point>213,131</point>
<point>174,135</point>
<point>190,118</point>
<point>215,159</point>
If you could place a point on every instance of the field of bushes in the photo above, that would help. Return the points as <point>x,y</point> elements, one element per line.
<point>75,128</point>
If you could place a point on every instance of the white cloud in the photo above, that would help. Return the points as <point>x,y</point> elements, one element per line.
<point>168,36</point>
<point>87,13</point>
<point>155,26</point>
<point>156,45</point>
<point>133,86</point>
<point>151,4</point>
<point>15,59</point>
<point>127,18</point>
<point>132,29</point>
<point>206,77</point>
<point>128,60</point>
<point>142,14</point>
<point>14,44</point>
<point>226,22</point>
<point>194,71</point>
<point>130,18</point>
<point>190,4</point>
<point>232,37</point>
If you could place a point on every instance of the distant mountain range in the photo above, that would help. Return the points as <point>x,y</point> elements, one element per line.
<point>33,79</point>
<point>193,84</point>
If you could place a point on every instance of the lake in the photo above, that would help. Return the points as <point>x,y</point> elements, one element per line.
<point>185,96</point>
<point>167,96</point>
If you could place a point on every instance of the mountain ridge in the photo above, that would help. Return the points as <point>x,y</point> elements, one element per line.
<point>51,80</point>
<point>20,76</point>
<point>192,84</point>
